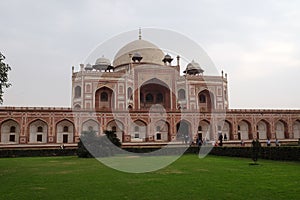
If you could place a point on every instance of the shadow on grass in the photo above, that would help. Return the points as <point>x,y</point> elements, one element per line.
<point>254,164</point>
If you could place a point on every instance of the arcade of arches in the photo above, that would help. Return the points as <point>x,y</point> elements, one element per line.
<point>43,131</point>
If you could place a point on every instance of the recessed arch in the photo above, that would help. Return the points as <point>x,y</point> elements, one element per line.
<point>129,93</point>
<point>296,129</point>
<point>281,128</point>
<point>225,129</point>
<point>206,101</point>
<point>77,92</point>
<point>204,130</point>
<point>263,129</point>
<point>90,126</point>
<point>181,95</point>
<point>138,131</point>
<point>117,127</point>
<point>155,91</point>
<point>65,131</point>
<point>162,131</point>
<point>184,132</point>
<point>10,132</point>
<point>104,98</point>
<point>244,130</point>
<point>38,131</point>
<point>77,107</point>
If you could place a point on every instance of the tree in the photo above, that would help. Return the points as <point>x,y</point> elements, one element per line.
<point>4,68</point>
<point>111,135</point>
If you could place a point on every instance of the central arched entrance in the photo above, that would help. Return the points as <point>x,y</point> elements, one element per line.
<point>153,92</point>
<point>104,99</point>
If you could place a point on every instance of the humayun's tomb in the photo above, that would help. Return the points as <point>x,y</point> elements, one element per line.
<point>144,98</point>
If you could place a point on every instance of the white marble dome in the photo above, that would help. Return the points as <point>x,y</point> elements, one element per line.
<point>149,51</point>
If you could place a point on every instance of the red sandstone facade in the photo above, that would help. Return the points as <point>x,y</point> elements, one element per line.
<point>144,98</point>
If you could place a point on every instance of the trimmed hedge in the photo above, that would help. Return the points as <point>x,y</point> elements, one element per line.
<point>273,153</point>
<point>9,153</point>
<point>291,153</point>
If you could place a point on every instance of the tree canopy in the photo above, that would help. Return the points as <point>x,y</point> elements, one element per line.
<point>4,68</point>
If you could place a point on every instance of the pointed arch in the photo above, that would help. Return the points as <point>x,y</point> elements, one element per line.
<point>90,125</point>
<point>38,131</point>
<point>206,101</point>
<point>296,129</point>
<point>77,92</point>
<point>184,132</point>
<point>244,130</point>
<point>263,129</point>
<point>204,130</point>
<point>281,129</point>
<point>104,98</point>
<point>225,129</point>
<point>118,127</point>
<point>138,131</point>
<point>162,131</point>
<point>10,131</point>
<point>155,91</point>
<point>65,131</point>
<point>129,93</point>
<point>181,95</point>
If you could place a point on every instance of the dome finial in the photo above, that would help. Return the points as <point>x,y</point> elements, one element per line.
<point>140,33</point>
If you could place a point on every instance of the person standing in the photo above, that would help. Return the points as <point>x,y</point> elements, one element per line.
<point>268,142</point>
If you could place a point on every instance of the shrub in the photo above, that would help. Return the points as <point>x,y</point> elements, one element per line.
<point>91,145</point>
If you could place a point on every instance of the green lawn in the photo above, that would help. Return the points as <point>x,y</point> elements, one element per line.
<point>187,178</point>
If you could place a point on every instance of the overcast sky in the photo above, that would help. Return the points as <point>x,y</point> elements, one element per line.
<point>256,42</point>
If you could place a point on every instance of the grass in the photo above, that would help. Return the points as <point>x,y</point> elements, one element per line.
<point>187,178</point>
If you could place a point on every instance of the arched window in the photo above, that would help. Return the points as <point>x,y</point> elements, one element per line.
<point>149,98</point>
<point>103,96</point>
<point>77,107</point>
<point>129,93</point>
<point>66,129</point>
<point>202,98</point>
<point>39,129</point>
<point>136,129</point>
<point>159,98</point>
<point>181,94</point>
<point>12,129</point>
<point>77,91</point>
